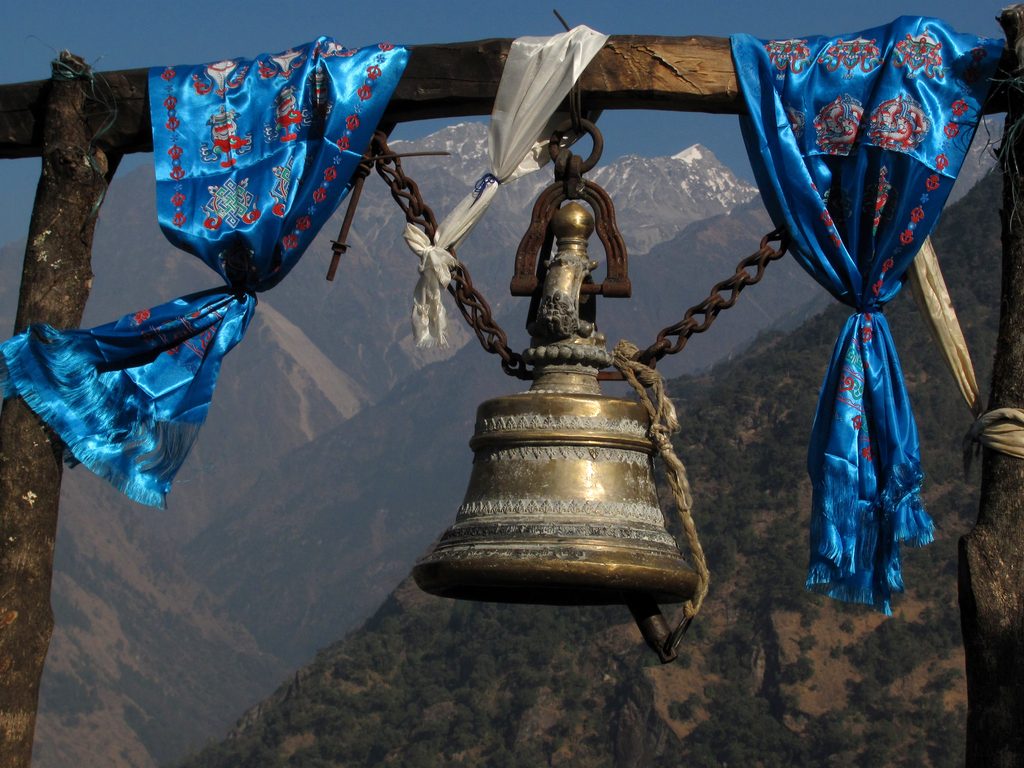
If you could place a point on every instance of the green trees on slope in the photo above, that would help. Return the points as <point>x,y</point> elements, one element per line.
<point>770,675</point>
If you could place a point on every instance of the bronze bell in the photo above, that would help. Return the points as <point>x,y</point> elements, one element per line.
<point>561,507</point>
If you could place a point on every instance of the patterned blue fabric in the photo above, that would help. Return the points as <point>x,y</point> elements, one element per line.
<point>251,159</point>
<point>855,142</point>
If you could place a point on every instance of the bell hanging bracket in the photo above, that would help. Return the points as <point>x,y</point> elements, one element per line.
<point>569,184</point>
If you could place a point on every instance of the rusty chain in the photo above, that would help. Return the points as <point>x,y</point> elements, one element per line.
<point>477,312</point>
<point>699,317</point>
<point>471,303</point>
<point>404,190</point>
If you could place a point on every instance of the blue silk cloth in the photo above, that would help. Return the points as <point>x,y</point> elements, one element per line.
<point>251,159</point>
<point>855,142</point>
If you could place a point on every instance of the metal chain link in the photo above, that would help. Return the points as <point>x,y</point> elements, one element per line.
<point>404,190</point>
<point>477,311</point>
<point>470,301</point>
<point>699,317</point>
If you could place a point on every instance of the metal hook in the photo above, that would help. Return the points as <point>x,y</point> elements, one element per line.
<point>555,147</point>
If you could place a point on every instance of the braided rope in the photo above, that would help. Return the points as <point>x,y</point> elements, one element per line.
<point>664,423</point>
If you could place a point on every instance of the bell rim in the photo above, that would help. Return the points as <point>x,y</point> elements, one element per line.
<point>550,581</point>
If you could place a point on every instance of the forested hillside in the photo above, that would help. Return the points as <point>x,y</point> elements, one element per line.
<point>287,527</point>
<point>769,674</point>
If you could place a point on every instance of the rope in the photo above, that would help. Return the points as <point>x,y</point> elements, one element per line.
<point>1001,429</point>
<point>664,423</point>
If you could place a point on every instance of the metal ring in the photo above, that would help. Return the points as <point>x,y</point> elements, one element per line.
<point>565,129</point>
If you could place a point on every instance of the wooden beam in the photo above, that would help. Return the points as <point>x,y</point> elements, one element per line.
<point>449,80</point>
<point>683,74</point>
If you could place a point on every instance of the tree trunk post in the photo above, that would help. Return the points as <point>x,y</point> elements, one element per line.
<point>991,582</point>
<point>55,283</point>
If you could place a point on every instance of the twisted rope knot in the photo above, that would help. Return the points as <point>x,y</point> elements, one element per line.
<point>662,436</point>
<point>642,377</point>
<point>625,350</point>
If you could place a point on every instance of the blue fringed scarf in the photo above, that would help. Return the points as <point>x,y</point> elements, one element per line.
<point>251,159</point>
<point>856,142</point>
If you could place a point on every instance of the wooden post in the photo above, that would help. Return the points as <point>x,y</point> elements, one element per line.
<point>55,284</point>
<point>991,583</point>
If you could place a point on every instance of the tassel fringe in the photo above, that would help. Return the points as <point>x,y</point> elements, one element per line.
<point>855,544</point>
<point>101,418</point>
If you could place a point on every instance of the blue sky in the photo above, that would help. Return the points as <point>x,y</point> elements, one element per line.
<point>114,34</point>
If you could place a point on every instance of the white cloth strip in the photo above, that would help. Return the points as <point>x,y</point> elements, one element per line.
<point>936,308</point>
<point>1001,429</point>
<point>538,74</point>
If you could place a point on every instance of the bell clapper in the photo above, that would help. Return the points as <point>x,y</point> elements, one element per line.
<point>653,627</point>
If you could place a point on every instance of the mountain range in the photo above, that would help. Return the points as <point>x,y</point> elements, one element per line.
<point>768,675</point>
<point>335,450</point>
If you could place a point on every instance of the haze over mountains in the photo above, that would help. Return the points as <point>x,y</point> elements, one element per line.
<point>335,451</point>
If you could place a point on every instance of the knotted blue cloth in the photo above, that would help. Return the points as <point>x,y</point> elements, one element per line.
<point>855,142</point>
<point>251,158</point>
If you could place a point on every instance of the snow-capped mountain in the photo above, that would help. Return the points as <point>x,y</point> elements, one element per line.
<point>659,196</point>
<point>655,197</point>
